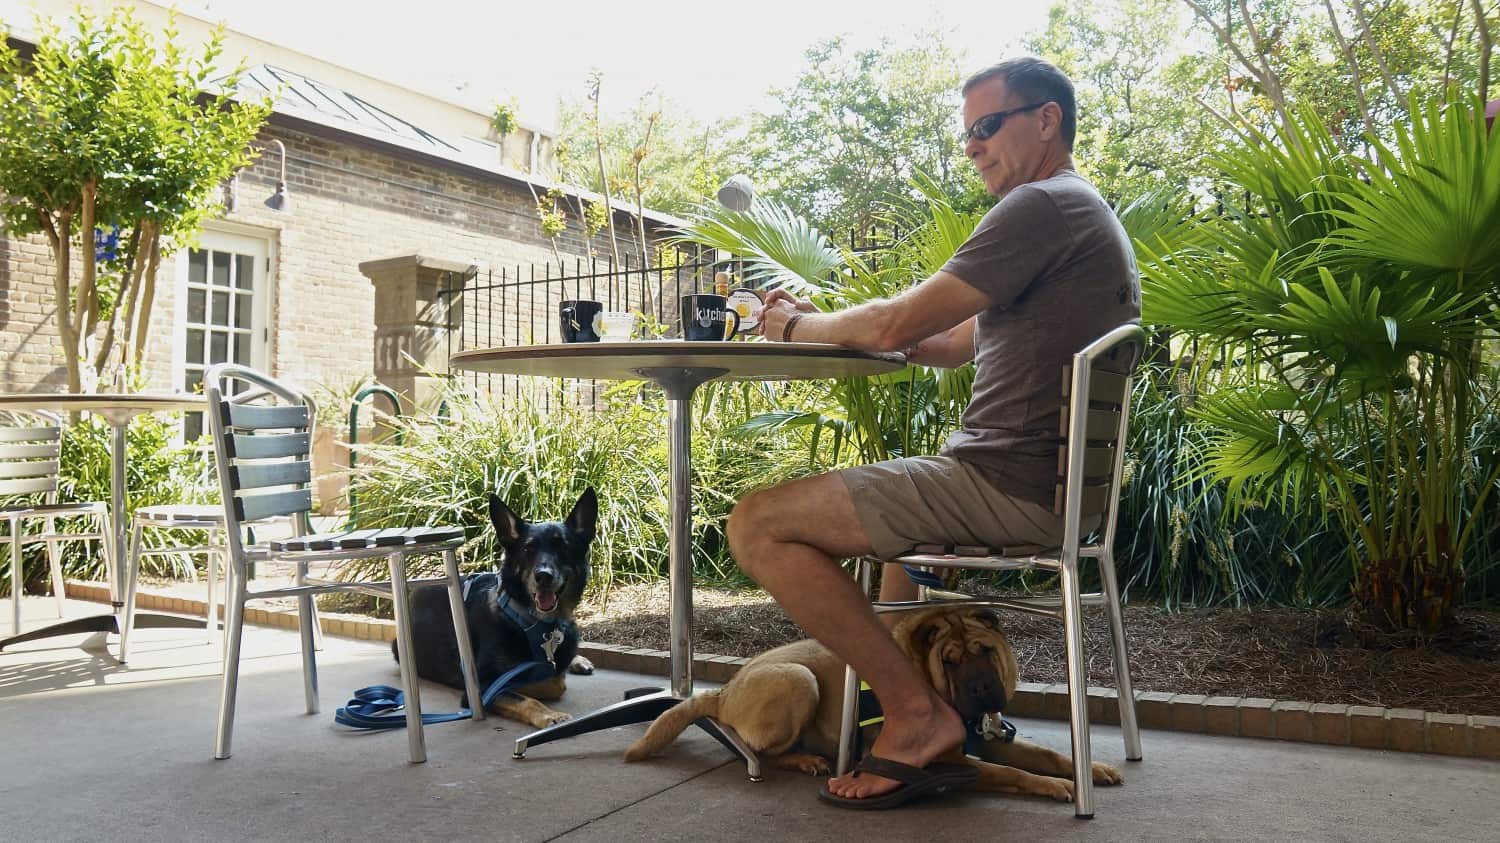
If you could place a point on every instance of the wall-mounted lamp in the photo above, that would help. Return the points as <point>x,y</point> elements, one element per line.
<point>280,201</point>
<point>736,194</point>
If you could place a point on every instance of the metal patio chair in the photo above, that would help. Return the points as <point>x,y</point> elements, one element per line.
<point>29,464</point>
<point>1096,413</point>
<point>207,519</point>
<point>262,452</point>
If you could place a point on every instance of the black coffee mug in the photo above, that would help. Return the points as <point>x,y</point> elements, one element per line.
<point>580,320</point>
<point>705,317</point>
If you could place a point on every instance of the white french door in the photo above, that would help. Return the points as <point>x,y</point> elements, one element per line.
<point>222,310</point>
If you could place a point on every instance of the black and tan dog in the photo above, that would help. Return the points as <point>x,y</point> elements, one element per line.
<point>786,703</point>
<point>525,613</point>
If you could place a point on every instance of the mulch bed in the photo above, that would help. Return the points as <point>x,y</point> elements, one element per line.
<point>1285,654</point>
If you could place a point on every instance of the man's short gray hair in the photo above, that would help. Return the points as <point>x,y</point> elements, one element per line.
<point>1034,80</point>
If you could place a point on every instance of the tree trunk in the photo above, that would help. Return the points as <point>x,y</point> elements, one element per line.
<point>86,303</point>
<point>152,246</point>
<point>59,238</point>
<point>1406,594</point>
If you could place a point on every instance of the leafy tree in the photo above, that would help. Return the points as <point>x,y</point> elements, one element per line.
<point>1139,126</point>
<point>682,165</point>
<point>857,126</point>
<point>107,129</point>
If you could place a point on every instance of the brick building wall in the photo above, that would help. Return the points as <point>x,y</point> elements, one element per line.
<point>350,201</point>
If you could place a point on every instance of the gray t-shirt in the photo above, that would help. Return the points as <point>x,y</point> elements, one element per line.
<point>1059,271</point>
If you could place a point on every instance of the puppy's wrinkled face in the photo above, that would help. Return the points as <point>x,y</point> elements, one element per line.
<point>965,656</point>
<point>546,561</point>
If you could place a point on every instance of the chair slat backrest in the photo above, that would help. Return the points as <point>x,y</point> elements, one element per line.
<point>262,450</point>
<point>1095,419</point>
<point>29,460</point>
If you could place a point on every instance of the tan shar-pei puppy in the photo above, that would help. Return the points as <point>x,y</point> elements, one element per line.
<point>786,703</point>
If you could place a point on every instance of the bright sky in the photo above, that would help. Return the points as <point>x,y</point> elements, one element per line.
<point>712,58</point>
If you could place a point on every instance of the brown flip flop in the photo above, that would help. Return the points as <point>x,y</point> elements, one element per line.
<point>916,782</point>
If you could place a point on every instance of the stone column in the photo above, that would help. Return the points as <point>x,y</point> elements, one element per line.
<point>412,323</point>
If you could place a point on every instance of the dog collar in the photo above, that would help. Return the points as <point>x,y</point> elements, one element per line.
<point>986,727</point>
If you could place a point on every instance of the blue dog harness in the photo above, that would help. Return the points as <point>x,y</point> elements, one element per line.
<point>380,706</point>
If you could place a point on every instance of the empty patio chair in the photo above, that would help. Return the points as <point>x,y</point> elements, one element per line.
<point>1096,413</point>
<point>262,453</point>
<point>204,519</point>
<point>29,463</point>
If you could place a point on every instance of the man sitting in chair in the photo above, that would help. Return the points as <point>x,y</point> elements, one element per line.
<point>1047,270</point>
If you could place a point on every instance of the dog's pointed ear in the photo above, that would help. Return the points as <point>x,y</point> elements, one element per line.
<point>585,514</point>
<point>507,524</point>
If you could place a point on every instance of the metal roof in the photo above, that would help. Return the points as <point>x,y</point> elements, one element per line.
<point>301,97</point>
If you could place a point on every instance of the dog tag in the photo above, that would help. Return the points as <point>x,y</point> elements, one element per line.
<point>550,643</point>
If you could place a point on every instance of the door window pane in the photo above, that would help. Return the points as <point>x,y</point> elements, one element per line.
<point>221,308</point>
<point>244,271</point>
<point>197,266</point>
<point>242,310</point>
<point>197,309</point>
<point>221,269</point>
<point>195,346</point>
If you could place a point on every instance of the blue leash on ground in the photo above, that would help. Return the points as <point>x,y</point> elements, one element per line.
<point>379,706</point>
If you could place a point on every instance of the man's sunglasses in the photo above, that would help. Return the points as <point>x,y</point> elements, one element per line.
<point>985,127</point>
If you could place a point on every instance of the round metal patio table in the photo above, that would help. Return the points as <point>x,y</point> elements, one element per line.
<point>679,367</point>
<point>117,409</point>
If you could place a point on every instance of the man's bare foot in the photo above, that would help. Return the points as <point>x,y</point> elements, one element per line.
<point>917,740</point>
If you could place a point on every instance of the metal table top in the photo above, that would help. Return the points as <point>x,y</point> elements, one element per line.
<point>626,360</point>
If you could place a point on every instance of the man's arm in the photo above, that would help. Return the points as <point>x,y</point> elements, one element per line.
<point>948,350</point>
<point>924,311</point>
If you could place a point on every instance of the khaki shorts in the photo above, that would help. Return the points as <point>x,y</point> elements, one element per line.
<point>942,500</point>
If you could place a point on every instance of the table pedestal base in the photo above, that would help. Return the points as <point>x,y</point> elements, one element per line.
<point>639,709</point>
<point>103,623</point>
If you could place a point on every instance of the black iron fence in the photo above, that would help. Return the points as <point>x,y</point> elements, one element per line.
<point>520,305</point>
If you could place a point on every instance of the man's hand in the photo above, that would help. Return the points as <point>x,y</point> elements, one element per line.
<point>779,307</point>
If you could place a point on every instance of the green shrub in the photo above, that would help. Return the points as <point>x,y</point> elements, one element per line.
<point>539,450</point>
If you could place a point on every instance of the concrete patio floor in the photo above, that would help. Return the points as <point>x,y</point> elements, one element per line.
<point>92,750</point>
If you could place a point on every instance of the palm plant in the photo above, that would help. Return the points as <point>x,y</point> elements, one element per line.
<point>865,419</point>
<point>1339,317</point>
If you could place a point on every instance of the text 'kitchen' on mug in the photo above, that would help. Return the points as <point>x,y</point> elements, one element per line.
<point>706,316</point>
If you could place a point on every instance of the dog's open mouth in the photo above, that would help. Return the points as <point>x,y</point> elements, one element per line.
<point>546,601</point>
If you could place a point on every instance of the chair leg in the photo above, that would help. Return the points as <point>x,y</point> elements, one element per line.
<point>132,570</point>
<point>415,741</point>
<point>1129,727</point>
<point>1083,767</point>
<point>306,618</point>
<point>54,558</point>
<point>210,609</point>
<point>461,631</point>
<point>234,624</point>
<point>15,577</point>
<point>848,719</point>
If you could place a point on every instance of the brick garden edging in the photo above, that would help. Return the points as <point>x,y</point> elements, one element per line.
<point>1371,727</point>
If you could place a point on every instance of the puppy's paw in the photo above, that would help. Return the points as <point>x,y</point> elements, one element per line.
<point>804,762</point>
<point>581,666</point>
<point>1107,774</point>
<point>638,751</point>
<point>1055,788</point>
<point>551,718</point>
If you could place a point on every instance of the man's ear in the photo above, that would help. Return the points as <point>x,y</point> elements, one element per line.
<point>585,514</point>
<point>1050,126</point>
<point>507,524</point>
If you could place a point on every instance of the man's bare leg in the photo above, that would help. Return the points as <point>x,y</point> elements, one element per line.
<point>895,587</point>
<point>789,539</point>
